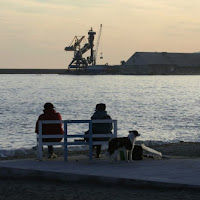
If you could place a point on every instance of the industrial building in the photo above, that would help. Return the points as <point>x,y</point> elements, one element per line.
<point>162,63</point>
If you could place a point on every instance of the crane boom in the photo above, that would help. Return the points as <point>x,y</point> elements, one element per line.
<point>76,42</point>
<point>97,44</point>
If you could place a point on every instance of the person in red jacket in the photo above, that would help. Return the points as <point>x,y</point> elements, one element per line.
<point>48,129</point>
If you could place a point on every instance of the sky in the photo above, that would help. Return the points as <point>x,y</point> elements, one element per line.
<point>34,33</point>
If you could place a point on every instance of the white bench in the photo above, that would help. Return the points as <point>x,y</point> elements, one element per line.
<point>66,136</point>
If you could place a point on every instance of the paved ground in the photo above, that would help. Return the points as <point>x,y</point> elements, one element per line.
<point>43,190</point>
<point>80,179</point>
<point>172,173</point>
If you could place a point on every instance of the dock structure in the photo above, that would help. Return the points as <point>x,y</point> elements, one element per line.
<point>32,71</point>
<point>140,63</point>
<point>162,63</point>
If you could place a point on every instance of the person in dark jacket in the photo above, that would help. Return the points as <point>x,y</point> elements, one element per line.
<point>50,129</point>
<point>101,128</point>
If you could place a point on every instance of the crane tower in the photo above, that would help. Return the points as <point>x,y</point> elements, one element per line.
<point>78,61</point>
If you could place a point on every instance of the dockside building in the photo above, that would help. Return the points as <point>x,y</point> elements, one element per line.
<point>162,63</point>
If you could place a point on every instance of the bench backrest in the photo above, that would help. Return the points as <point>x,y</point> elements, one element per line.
<point>67,135</point>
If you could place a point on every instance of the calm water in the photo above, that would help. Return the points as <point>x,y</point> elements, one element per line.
<point>161,108</point>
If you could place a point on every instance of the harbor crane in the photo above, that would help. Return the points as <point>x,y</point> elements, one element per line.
<point>79,49</point>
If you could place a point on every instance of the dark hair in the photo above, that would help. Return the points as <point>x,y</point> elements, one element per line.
<point>48,105</point>
<point>101,107</point>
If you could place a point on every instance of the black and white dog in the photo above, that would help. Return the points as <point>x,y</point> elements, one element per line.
<point>125,144</point>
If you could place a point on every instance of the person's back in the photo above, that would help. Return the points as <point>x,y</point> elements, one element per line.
<point>101,128</point>
<point>50,129</point>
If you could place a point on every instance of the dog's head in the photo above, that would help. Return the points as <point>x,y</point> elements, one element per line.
<point>133,134</point>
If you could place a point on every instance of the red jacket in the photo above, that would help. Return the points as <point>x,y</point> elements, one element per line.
<point>50,129</point>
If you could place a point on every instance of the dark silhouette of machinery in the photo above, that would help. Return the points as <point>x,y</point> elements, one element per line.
<point>79,49</point>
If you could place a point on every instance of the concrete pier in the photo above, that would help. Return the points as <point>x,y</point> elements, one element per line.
<point>172,173</point>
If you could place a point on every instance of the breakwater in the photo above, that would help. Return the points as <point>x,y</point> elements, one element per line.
<point>110,70</point>
<point>33,71</point>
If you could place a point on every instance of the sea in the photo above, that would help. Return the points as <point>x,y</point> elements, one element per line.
<point>163,109</point>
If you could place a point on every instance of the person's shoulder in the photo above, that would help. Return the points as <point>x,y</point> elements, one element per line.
<point>58,116</point>
<point>108,116</point>
<point>41,116</point>
<point>95,115</point>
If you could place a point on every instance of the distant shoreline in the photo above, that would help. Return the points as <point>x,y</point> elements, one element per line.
<point>33,71</point>
<point>74,72</point>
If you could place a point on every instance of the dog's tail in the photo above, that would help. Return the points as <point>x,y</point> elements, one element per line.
<point>151,150</point>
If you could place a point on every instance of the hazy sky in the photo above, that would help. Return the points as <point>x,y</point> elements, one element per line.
<point>34,33</point>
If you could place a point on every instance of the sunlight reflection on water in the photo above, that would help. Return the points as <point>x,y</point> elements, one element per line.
<point>161,108</point>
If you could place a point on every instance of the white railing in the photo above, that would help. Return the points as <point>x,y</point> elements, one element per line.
<point>66,135</point>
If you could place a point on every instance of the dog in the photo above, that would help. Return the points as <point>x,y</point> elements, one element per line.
<point>125,144</point>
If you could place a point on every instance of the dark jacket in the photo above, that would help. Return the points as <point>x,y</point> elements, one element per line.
<point>50,129</point>
<point>101,127</point>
